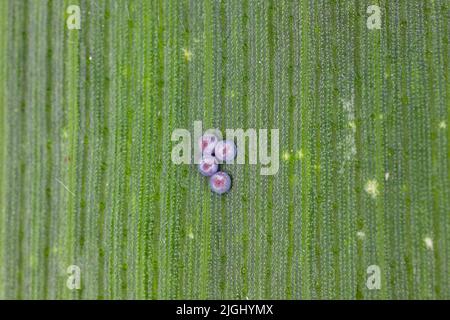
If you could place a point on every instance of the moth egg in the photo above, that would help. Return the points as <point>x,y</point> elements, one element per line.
<point>208,166</point>
<point>220,182</point>
<point>207,143</point>
<point>225,150</point>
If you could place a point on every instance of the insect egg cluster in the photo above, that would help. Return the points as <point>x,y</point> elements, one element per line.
<point>213,152</point>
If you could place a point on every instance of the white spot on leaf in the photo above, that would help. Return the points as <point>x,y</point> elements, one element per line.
<point>187,54</point>
<point>371,188</point>
<point>347,145</point>
<point>428,243</point>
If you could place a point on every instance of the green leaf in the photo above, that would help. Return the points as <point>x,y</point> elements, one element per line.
<point>86,177</point>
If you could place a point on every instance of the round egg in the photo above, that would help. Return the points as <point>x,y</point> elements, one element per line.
<point>208,165</point>
<point>220,182</point>
<point>225,150</point>
<point>207,143</point>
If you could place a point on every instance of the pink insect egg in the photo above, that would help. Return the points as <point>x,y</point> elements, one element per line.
<point>207,143</point>
<point>208,165</point>
<point>225,150</point>
<point>220,182</point>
